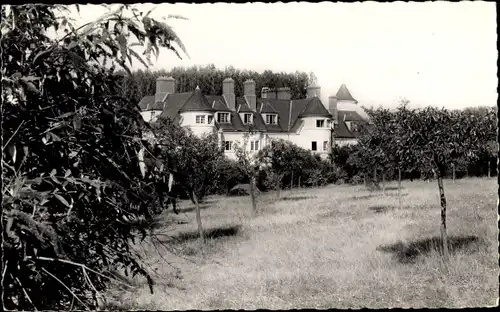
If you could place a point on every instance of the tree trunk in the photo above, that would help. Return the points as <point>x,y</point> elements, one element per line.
<point>291,182</point>
<point>364,178</point>
<point>383,182</point>
<point>444,237</point>
<point>375,176</point>
<point>252,195</point>
<point>489,168</point>
<point>198,218</point>
<point>453,167</point>
<point>399,187</point>
<point>300,186</point>
<point>467,171</point>
<point>278,191</point>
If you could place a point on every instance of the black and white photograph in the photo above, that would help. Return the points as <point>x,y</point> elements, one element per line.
<point>249,155</point>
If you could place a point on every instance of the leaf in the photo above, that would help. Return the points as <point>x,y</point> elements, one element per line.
<point>53,172</point>
<point>67,173</point>
<point>62,200</point>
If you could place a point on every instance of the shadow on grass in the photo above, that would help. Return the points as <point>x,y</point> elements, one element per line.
<point>408,253</point>
<point>362,197</point>
<point>379,209</point>
<point>204,205</point>
<point>393,188</point>
<point>296,198</point>
<point>212,233</point>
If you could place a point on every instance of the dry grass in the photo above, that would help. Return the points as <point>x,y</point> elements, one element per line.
<point>332,247</point>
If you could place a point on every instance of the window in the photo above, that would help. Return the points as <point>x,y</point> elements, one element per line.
<point>254,145</point>
<point>200,119</point>
<point>223,118</point>
<point>314,146</point>
<point>325,145</point>
<point>210,118</point>
<point>247,119</point>
<point>271,119</point>
<point>320,123</point>
<point>328,123</point>
<point>228,145</point>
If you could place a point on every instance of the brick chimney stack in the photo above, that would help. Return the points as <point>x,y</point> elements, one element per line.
<point>164,87</point>
<point>284,93</point>
<point>313,91</point>
<point>228,93</point>
<point>249,93</point>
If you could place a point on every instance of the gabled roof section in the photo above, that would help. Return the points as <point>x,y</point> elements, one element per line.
<point>280,107</point>
<point>219,106</point>
<point>298,106</point>
<point>266,108</point>
<point>315,108</point>
<point>242,106</point>
<point>147,102</point>
<point>196,102</point>
<point>173,103</point>
<point>350,116</point>
<point>344,95</point>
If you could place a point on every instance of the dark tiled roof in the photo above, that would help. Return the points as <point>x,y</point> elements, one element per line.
<point>173,103</point>
<point>350,116</point>
<point>342,131</point>
<point>344,95</point>
<point>298,106</point>
<point>315,108</point>
<point>288,111</point>
<point>243,108</point>
<point>220,106</point>
<point>146,102</point>
<point>196,102</point>
<point>265,107</point>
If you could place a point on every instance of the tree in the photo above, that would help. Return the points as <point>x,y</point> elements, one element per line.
<point>435,138</point>
<point>249,167</point>
<point>194,161</point>
<point>72,189</point>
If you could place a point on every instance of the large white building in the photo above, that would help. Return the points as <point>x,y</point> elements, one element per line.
<point>305,122</point>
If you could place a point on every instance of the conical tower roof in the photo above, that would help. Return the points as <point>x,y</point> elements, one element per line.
<point>315,108</point>
<point>196,102</point>
<point>344,95</point>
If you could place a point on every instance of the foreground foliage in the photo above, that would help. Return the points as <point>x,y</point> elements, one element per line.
<point>72,187</point>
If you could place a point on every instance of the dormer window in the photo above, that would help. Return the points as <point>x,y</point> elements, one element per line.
<point>223,117</point>
<point>320,123</point>
<point>200,119</point>
<point>271,119</point>
<point>247,119</point>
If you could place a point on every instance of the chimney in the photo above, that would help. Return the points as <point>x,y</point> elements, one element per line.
<point>284,93</point>
<point>332,108</point>
<point>249,93</point>
<point>268,93</point>
<point>228,93</point>
<point>313,91</point>
<point>164,86</point>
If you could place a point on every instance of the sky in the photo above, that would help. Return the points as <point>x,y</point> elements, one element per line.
<point>432,53</point>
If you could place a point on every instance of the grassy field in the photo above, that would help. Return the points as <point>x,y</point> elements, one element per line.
<point>332,247</point>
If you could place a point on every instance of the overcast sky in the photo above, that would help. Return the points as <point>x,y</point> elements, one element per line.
<point>433,53</point>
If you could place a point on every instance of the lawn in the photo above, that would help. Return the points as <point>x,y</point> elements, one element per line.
<point>334,247</point>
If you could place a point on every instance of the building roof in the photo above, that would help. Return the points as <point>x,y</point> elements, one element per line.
<point>344,95</point>
<point>147,102</point>
<point>350,116</point>
<point>288,111</point>
<point>315,108</point>
<point>196,102</point>
<point>220,106</point>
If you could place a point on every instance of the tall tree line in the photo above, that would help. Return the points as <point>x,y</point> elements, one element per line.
<point>209,78</point>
